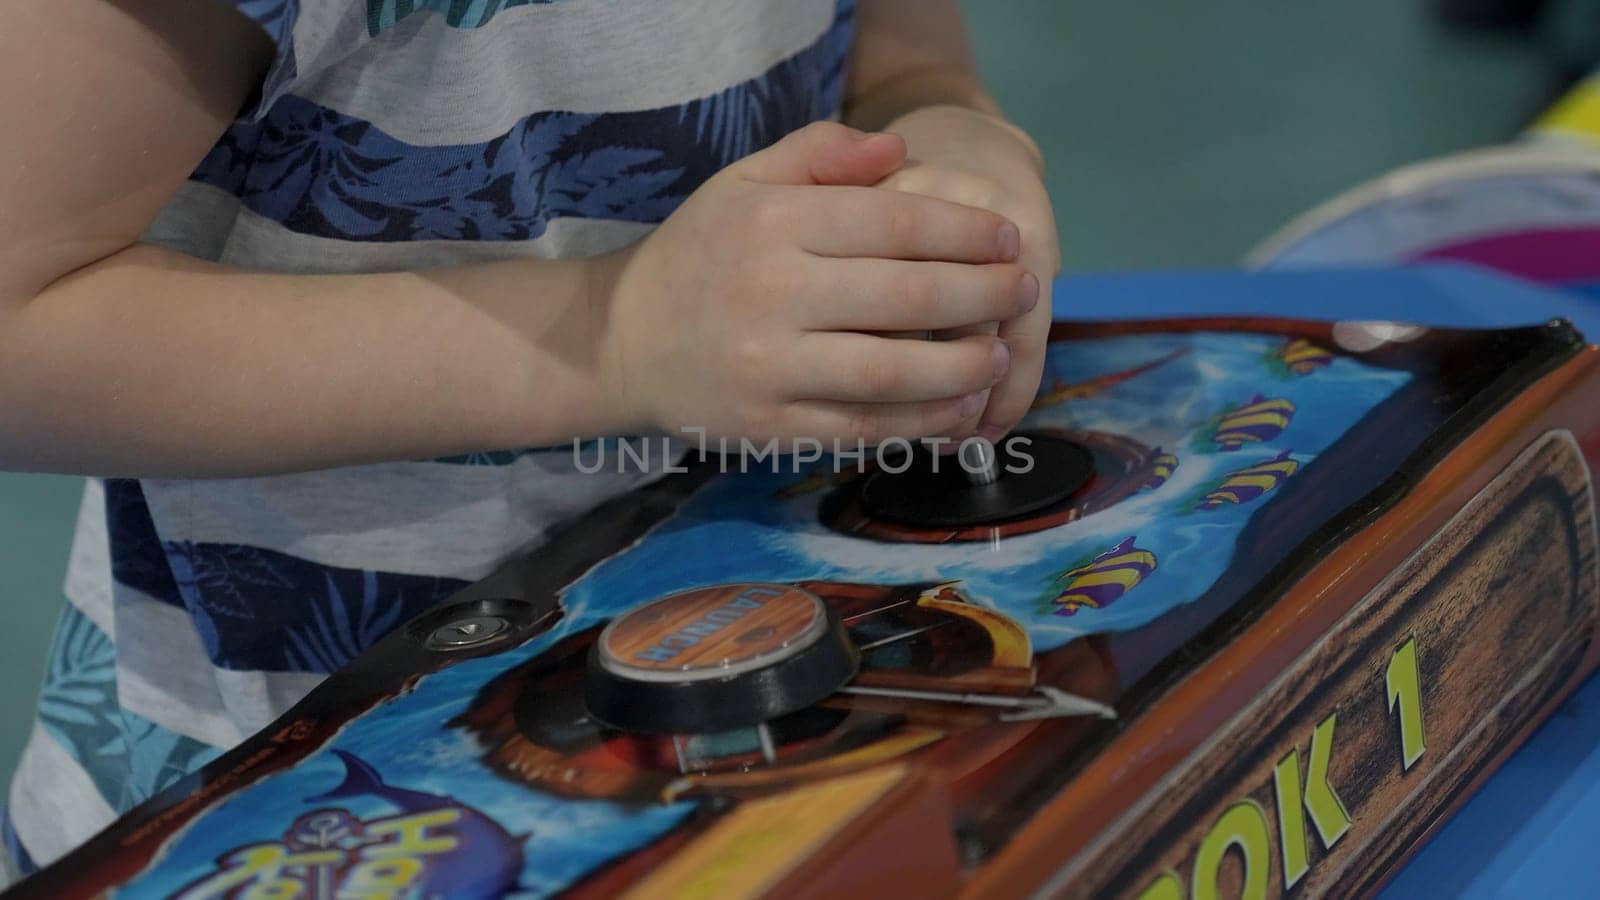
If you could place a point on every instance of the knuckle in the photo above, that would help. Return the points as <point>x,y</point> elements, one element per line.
<point>756,420</point>
<point>749,358</point>
<point>881,376</point>
<point>977,372</point>
<point>903,226</point>
<point>934,418</point>
<point>773,281</point>
<point>769,212</point>
<point>820,131</point>
<point>866,425</point>
<point>918,296</point>
<point>762,284</point>
<point>953,418</point>
<point>984,193</point>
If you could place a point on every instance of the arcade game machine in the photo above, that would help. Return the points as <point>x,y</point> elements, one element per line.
<point>1259,593</point>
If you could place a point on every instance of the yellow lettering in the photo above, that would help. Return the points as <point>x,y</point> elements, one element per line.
<point>1319,799</point>
<point>380,879</point>
<point>1291,821</point>
<point>1404,689</point>
<point>1244,825</point>
<point>411,835</point>
<point>258,871</point>
<point>1166,887</point>
<point>1327,813</point>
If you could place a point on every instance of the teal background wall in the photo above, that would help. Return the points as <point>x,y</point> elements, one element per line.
<point>1177,134</point>
<point>36,515</point>
<point>1180,134</point>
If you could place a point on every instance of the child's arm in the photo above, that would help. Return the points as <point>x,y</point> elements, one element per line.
<point>912,74</point>
<point>741,314</point>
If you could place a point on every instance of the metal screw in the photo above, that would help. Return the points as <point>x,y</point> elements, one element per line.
<point>468,632</point>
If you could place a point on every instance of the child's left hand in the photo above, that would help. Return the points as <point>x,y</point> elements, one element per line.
<point>972,158</point>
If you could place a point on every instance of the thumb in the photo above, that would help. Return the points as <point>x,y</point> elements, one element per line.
<point>825,153</point>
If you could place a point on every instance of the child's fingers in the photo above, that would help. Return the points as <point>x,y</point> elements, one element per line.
<point>824,153</point>
<point>869,222</point>
<point>894,295</point>
<point>874,423</point>
<point>1013,396</point>
<point>842,366</point>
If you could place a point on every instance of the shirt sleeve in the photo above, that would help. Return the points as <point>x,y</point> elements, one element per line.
<point>277,18</point>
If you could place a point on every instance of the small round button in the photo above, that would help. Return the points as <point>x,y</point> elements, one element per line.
<point>468,632</point>
<point>717,658</point>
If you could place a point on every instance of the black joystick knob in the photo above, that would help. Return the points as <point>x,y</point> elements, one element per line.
<point>717,659</point>
<point>973,486</point>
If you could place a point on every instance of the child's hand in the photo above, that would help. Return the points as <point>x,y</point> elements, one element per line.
<point>747,312</point>
<point>971,158</point>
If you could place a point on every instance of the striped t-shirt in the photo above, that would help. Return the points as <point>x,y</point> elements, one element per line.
<point>387,135</point>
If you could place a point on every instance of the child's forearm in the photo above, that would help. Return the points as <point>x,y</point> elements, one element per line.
<point>909,54</point>
<point>914,54</point>
<point>948,85</point>
<point>122,359</point>
<point>150,363</point>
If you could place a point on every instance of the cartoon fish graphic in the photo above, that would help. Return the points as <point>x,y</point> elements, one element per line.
<point>1261,419</point>
<point>1162,466</point>
<point>485,861</point>
<point>1249,483</point>
<point>1104,579</point>
<point>1302,357</point>
<point>1061,392</point>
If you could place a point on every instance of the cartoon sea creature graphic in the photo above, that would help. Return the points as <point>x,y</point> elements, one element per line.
<point>461,852</point>
<point>1249,483</point>
<point>1061,392</point>
<point>1162,465</point>
<point>1302,357</point>
<point>1105,579</point>
<point>1261,419</point>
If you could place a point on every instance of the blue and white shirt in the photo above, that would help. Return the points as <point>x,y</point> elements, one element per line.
<point>387,135</point>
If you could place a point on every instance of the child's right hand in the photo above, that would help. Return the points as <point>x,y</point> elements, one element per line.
<point>751,311</point>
